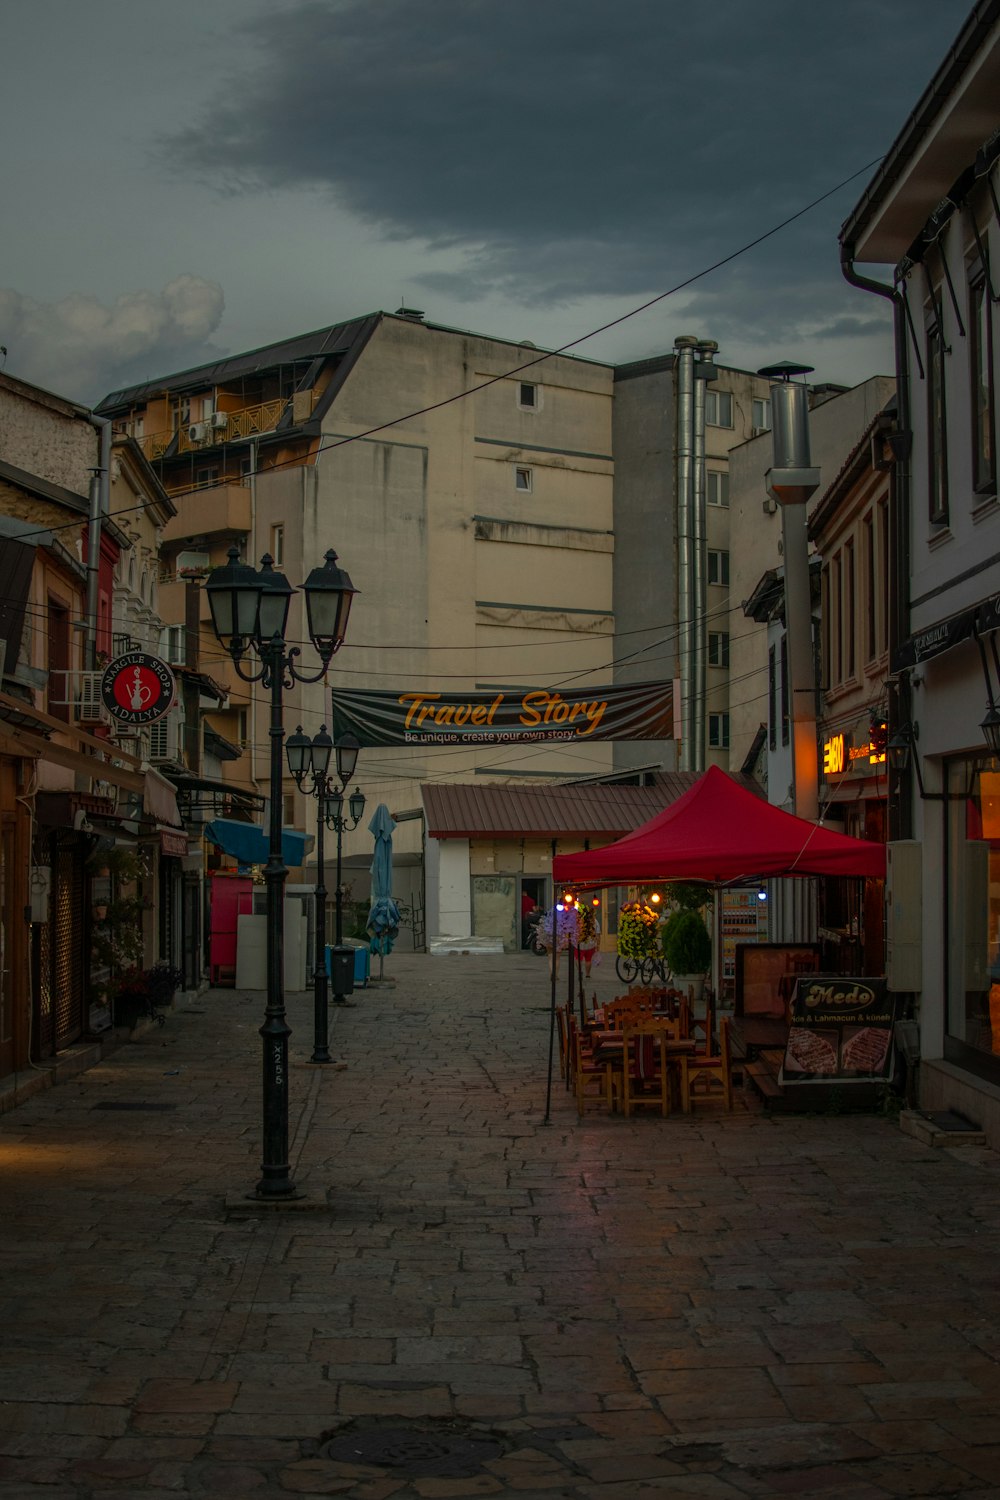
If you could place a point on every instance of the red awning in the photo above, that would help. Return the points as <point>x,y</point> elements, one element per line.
<point>721,833</point>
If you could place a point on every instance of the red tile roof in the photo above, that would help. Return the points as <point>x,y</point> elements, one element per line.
<point>457,811</point>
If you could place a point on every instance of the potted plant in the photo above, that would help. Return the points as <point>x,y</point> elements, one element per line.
<point>688,951</point>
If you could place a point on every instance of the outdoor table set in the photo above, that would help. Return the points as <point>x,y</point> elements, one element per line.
<point>645,1050</point>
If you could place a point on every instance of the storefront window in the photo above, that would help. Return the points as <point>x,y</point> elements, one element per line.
<point>974,904</point>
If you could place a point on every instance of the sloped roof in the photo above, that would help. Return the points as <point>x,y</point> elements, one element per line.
<point>720,834</point>
<point>304,346</point>
<point>585,810</point>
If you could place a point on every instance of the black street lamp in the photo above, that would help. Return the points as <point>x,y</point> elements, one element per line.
<point>249,613</point>
<point>347,759</point>
<point>310,758</point>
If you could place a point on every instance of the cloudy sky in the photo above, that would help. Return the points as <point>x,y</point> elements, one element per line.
<point>185,180</point>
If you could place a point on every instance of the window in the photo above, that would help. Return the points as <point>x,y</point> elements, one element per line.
<point>883,545</point>
<point>717,487</point>
<point>205,478</point>
<point>972,884</point>
<point>772,699</point>
<point>527,395</point>
<point>719,408</point>
<point>718,648</point>
<point>522,480</point>
<point>761,419</point>
<point>718,731</point>
<point>937,449</point>
<point>825,608</point>
<point>718,568</point>
<point>173,645</point>
<point>984,464</point>
<point>871,647</point>
<point>278,544</point>
<point>836,618</point>
<point>181,413</point>
<point>288,809</point>
<point>849,609</point>
<point>243,732</point>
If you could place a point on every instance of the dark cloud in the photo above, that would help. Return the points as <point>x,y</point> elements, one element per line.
<point>584,149</point>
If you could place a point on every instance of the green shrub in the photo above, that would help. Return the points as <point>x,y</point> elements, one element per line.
<point>667,929</point>
<point>688,949</point>
<point>688,895</point>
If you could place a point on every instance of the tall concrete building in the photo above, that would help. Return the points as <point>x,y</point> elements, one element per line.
<point>466,485</point>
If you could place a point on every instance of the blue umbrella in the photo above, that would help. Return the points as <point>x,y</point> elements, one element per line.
<point>383,918</point>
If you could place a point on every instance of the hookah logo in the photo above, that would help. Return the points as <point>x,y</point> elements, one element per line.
<point>136,688</point>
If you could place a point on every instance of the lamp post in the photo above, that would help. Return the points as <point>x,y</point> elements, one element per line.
<point>249,614</point>
<point>311,758</point>
<point>347,759</point>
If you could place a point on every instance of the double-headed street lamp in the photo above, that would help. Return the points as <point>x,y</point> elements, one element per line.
<point>310,759</point>
<point>249,613</point>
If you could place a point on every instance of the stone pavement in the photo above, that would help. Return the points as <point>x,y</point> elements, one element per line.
<point>475,1303</point>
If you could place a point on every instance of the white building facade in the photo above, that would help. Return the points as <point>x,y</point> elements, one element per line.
<point>926,235</point>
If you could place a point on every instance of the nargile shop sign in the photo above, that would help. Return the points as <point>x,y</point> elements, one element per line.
<point>841,1030</point>
<point>507,716</point>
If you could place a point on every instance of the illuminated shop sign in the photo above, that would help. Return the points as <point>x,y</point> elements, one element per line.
<point>843,755</point>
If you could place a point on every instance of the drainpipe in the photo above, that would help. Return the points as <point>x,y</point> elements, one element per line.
<point>684,347</point>
<point>791,481</point>
<point>704,372</point>
<point>900,808</point>
<point>100,504</point>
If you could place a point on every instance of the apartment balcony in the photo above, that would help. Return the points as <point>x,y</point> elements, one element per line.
<point>218,510</point>
<point>225,426</point>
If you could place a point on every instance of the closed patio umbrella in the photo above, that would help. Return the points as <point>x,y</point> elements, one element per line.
<point>383,918</point>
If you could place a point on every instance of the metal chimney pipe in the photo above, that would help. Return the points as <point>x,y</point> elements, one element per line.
<point>704,372</point>
<point>791,481</point>
<point>684,347</point>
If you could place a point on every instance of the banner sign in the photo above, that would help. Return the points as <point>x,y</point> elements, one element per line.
<point>507,716</point>
<point>979,620</point>
<point>841,1031</point>
<point>137,688</point>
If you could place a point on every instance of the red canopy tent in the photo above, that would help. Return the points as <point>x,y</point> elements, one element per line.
<point>723,834</point>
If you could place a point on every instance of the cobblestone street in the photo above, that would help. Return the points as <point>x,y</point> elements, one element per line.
<point>469,1301</point>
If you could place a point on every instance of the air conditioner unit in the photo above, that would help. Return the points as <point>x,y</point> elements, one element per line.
<point>219,421</point>
<point>197,432</point>
<point>166,737</point>
<point>90,706</point>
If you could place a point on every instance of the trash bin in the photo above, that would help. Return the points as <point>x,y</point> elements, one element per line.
<point>340,967</point>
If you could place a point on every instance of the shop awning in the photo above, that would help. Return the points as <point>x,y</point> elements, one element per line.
<point>248,844</point>
<point>722,834</point>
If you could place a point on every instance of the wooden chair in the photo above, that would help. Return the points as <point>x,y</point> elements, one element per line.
<point>628,1008</point>
<point>702,1028</point>
<point>645,1075</point>
<point>591,1078</point>
<point>707,1077</point>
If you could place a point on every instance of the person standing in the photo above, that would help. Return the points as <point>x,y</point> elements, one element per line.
<point>588,933</point>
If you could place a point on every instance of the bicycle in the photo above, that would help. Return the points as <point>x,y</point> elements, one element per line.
<point>644,969</point>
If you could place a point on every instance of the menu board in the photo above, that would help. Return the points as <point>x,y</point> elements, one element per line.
<point>841,1030</point>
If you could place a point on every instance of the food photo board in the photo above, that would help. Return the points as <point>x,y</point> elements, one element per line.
<point>841,1031</point>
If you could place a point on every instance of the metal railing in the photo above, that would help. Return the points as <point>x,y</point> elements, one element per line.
<point>250,421</point>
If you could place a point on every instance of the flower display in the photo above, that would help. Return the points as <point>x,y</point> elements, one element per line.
<point>637,930</point>
<point>586,917</point>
